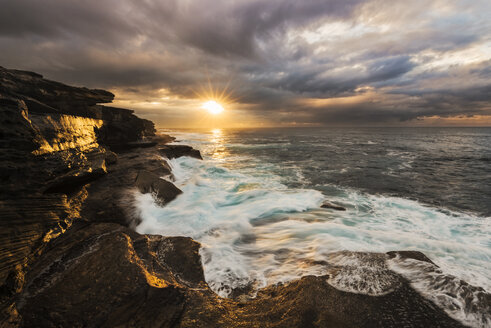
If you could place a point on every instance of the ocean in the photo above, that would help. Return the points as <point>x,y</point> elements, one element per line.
<point>254,205</point>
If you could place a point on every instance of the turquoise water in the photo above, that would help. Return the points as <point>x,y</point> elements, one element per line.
<point>254,205</point>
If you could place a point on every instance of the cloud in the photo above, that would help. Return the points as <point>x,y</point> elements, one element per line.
<point>312,61</point>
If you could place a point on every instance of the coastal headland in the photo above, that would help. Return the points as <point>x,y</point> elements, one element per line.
<point>70,256</point>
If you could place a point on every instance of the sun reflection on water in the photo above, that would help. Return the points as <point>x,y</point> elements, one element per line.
<point>218,150</point>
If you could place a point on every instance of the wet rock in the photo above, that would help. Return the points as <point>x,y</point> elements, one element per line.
<point>175,151</point>
<point>105,275</point>
<point>163,190</point>
<point>361,272</point>
<point>312,302</point>
<point>182,255</point>
<point>410,255</point>
<point>110,198</point>
<point>333,206</point>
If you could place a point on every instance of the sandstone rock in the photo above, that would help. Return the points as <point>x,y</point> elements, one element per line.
<point>106,275</point>
<point>48,97</point>
<point>74,179</point>
<point>26,224</point>
<point>52,138</point>
<point>163,190</point>
<point>63,98</point>
<point>333,206</point>
<point>175,151</point>
<point>243,299</point>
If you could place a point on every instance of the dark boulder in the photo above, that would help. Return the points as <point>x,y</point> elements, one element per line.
<point>415,255</point>
<point>333,206</point>
<point>164,191</point>
<point>175,151</point>
<point>110,199</point>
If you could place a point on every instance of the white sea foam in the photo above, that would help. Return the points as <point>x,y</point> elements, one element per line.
<point>462,301</point>
<point>362,273</point>
<point>255,231</point>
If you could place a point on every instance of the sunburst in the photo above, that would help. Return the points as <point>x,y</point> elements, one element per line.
<point>213,107</point>
<point>215,99</point>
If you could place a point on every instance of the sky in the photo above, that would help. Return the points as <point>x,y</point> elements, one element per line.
<point>268,62</point>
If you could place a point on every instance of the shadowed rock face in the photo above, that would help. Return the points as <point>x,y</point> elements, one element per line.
<point>175,151</point>
<point>45,96</point>
<point>163,190</point>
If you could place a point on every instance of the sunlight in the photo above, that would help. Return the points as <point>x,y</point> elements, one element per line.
<point>218,144</point>
<point>213,107</point>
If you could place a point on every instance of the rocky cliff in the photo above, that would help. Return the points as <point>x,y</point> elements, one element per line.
<point>70,258</point>
<point>53,139</point>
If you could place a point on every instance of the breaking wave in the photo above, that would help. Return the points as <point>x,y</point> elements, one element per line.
<point>256,231</point>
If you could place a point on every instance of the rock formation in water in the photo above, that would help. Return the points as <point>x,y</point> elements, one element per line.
<point>174,151</point>
<point>70,258</point>
<point>333,206</point>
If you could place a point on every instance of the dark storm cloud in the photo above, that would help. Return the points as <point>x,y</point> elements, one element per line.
<point>213,26</point>
<point>54,19</point>
<point>396,61</point>
<point>236,30</point>
<point>327,83</point>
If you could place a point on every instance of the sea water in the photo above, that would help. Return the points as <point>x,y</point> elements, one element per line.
<point>254,205</point>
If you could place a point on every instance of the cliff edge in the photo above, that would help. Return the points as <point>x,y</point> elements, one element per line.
<point>53,139</point>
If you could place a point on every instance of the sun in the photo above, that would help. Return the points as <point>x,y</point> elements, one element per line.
<point>213,107</point>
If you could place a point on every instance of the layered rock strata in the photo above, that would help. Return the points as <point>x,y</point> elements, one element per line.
<point>54,139</point>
